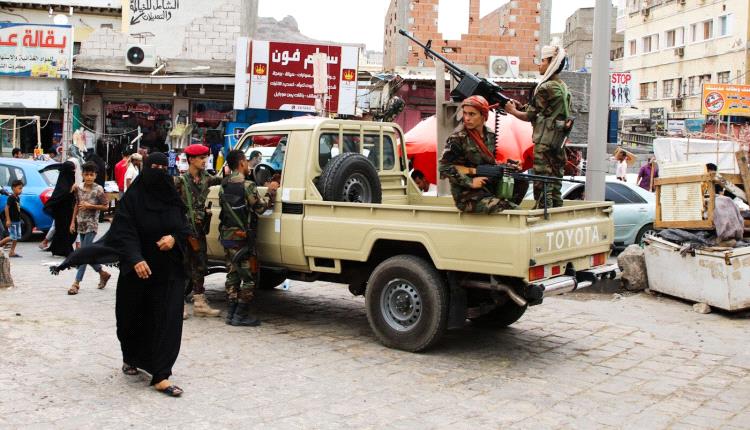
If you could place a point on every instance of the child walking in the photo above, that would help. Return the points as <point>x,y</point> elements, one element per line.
<point>13,217</point>
<point>91,200</point>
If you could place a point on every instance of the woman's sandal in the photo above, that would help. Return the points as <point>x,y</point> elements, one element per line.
<point>73,290</point>
<point>172,391</point>
<point>129,370</point>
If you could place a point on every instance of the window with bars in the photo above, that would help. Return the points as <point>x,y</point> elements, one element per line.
<point>668,86</point>
<point>644,91</point>
<point>722,77</point>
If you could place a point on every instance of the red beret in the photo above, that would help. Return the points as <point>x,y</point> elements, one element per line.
<point>196,150</point>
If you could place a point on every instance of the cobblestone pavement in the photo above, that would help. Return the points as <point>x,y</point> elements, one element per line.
<point>583,361</point>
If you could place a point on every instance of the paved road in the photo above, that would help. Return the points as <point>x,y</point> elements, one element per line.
<point>582,361</point>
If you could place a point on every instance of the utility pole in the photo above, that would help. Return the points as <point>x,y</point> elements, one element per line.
<point>596,162</point>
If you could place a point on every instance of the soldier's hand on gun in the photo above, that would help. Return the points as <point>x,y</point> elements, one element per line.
<point>142,270</point>
<point>513,165</point>
<point>478,182</point>
<point>165,243</point>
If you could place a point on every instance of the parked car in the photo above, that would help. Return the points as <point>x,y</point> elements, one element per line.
<point>37,190</point>
<point>634,209</point>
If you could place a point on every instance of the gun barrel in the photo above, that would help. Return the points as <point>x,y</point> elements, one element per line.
<point>455,70</point>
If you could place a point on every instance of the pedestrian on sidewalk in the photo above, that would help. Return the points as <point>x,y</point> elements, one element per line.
<point>147,238</point>
<point>91,200</point>
<point>647,174</point>
<point>13,218</point>
<point>60,205</point>
<point>134,169</point>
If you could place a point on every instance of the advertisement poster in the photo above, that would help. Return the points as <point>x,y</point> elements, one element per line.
<point>279,76</point>
<point>621,90</point>
<point>726,99</point>
<point>36,50</point>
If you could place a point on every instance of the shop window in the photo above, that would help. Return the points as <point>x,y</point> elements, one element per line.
<point>123,119</point>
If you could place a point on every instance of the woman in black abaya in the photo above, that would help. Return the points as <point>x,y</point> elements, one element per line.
<point>147,237</point>
<point>60,205</point>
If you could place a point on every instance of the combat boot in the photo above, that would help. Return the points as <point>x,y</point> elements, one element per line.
<point>201,307</point>
<point>242,317</point>
<point>231,310</point>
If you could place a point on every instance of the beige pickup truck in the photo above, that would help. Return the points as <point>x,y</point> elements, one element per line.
<point>348,212</point>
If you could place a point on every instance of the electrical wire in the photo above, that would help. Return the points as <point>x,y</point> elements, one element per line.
<point>30,123</point>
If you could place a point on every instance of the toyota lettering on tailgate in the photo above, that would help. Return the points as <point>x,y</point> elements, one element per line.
<point>557,240</point>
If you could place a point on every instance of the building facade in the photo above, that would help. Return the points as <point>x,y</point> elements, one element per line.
<point>673,47</point>
<point>516,29</point>
<point>46,95</point>
<point>578,39</point>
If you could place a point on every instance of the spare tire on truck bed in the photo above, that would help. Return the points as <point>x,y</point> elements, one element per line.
<point>350,177</point>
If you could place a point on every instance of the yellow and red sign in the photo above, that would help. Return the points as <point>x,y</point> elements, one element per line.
<point>726,99</point>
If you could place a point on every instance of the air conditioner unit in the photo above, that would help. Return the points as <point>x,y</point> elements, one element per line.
<point>682,2</point>
<point>676,103</point>
<point>680,52</point>
<point>140,56</point>
<point>504,67</point>
<point>645,11</point>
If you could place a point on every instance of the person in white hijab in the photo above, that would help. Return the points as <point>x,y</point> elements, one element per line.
<point>550,113</point>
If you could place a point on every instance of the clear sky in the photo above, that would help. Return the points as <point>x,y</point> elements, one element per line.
<point>361,21</point>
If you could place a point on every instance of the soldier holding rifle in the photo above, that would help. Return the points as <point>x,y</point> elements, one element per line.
<point>549,112</point>
<point>468,149</point>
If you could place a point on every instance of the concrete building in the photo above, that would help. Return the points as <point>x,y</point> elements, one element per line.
<point>578,39</point>
<point>518,28</point>
<point>45,94</point>
<point>673,47</point>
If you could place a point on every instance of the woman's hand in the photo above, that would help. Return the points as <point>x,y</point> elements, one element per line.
<point>142,270</point>
<point>72,228</point>
<point>166,243</point>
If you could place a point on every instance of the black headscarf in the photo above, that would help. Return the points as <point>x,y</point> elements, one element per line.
<point>64,185</point>
<point>157,184</point>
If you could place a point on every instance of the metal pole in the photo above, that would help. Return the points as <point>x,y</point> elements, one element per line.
<point>597,138</point>
<point>440,119</point>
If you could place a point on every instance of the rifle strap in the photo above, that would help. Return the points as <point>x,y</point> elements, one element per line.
<point>189,201</point>
<point>477,138</point>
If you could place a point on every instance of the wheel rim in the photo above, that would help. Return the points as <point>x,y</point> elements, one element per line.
<point>649,232</point>
<point>401,305</point>
<point>357,189</point>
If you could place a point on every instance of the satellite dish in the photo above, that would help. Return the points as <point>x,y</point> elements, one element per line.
<point>135,55</point>
<point>500,67</point>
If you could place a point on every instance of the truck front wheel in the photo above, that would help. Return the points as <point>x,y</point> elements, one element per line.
<point>407,303</point>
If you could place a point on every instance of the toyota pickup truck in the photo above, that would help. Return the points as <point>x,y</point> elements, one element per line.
<point>348,212</point>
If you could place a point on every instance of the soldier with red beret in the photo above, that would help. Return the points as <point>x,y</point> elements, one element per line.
<point>193,187</point>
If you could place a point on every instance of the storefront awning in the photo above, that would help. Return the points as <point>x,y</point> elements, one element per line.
<point>145,79</point>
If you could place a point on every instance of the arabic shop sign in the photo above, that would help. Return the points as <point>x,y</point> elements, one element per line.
<point>159,11</point>
<point>726,99</point>
<point>279,76</point>
<point>36,50</point>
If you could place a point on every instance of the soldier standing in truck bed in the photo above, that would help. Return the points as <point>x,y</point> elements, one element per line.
<point>473,144</point>
<point>193,187</point>
<point>550,113</point>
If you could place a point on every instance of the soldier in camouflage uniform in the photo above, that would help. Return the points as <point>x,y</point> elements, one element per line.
<point>193,187</point>
<point>549,112</point>
<point>240,207</point>
<point>471,145</point>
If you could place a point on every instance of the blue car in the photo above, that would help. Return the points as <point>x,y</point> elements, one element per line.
<point>37,189</point>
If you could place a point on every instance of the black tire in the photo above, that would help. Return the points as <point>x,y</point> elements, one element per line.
<point>642,232</point>
<point>270,279</point>
<point>407,303</point>
<point>502,316</point>
<point>27,228</point>
<point>350,177</point>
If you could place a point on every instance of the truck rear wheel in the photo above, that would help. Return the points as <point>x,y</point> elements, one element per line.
<point>502,316</point>
<point>350,177</point>
<point>407,303</point>
<point>270,279</point>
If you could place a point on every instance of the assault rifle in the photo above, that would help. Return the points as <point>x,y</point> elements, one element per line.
<point>468,84</point>
<point>496,172</point>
